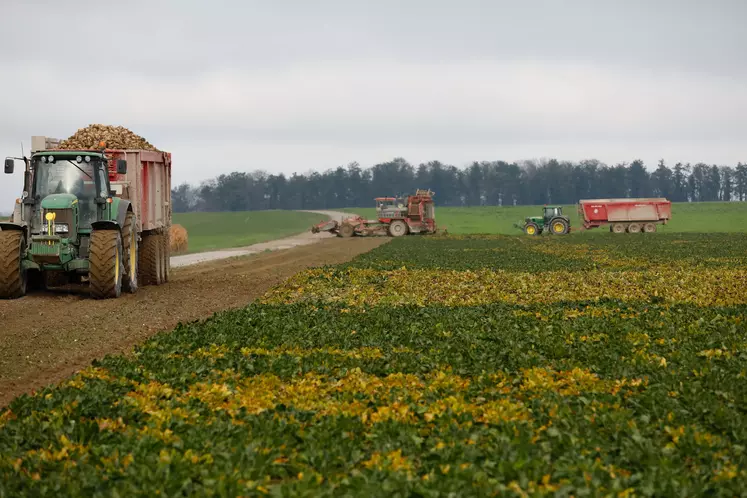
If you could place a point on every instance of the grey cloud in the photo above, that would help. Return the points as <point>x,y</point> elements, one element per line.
<point>299,85</point>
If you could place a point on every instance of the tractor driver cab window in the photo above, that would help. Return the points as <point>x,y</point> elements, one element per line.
<point>62,177</point>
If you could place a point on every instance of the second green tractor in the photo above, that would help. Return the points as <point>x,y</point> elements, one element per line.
<point>552,220</point>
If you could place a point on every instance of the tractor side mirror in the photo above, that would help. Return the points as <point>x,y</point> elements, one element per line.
<point>121,167</point>
<point>10,165</point>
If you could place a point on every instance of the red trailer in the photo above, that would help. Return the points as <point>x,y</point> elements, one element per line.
<point>625,215</point>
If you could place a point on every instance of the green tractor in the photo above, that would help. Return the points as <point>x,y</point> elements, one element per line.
<point>69,226</point>
<point>552,220</point>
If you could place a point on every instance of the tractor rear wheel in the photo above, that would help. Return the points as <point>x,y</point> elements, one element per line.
<point>397,228</point>
<point>634,228</point>
<point>649,227</point>
<point>129,245</point>
<point>151,271</point>
<point>13,278</point>
<point>618,228</point>
<point>532,229</point>
<point>346,230</point>
<point>559,226</point>
<point>106,268</point>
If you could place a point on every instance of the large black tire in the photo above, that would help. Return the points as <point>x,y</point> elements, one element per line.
<point>151,268</point>
<point>106,268</point>
<point>397,228</point>
<point>130,253</point>
<point>346,230</point>
<point>559,226</point>
<point>13,278</point>
<point>166,255</point>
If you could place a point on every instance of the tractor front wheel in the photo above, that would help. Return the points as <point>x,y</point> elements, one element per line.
<point>13,278</point>
<point>532,229</point>
<point>559,226</point>
<point>346,230</point>
<point>106,267</point>
<point>397,228</point>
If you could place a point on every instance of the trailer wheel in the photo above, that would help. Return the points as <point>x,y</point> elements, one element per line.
<point>346,230</point>
<point>106,268</point>
<point>13,278</point>
<point>618,228</point>
<point>166,255</point>
<point>634,228</point>
<point>532,229</point>
<point>649,227</point>
<point>397,228</point>
<point>150,260</point>
<point>130,250</point>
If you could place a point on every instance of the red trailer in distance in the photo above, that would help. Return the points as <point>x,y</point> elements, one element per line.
<point>625,215</point>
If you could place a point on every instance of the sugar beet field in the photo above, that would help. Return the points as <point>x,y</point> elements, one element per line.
<point>456,365</point>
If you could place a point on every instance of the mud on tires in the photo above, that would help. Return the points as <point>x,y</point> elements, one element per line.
<point>106,268</point>
<point>13,278</point>
<point>397,228</point>
<point>346,230</point>
<point>166,256</point>
<point>151,264</point>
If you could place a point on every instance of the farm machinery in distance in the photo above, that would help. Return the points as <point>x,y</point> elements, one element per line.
<point>640,215</point>
<point>394,217</point>
<point>552,220</point>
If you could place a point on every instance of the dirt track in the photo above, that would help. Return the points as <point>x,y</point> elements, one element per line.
<point>45,337</point>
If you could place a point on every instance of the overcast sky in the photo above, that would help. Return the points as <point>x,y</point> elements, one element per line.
<point>294,86</point>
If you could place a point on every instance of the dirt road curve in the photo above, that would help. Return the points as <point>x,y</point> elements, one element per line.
<point>301,239</point>
<point>46,337</point>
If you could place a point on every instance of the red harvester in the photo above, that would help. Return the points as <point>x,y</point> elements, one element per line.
<point>395,217</point>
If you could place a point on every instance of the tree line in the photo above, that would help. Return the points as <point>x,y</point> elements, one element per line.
<point>495,183</point>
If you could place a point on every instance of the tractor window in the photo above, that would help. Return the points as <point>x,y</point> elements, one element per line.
<point>70,177</point>
<point>64,177</point>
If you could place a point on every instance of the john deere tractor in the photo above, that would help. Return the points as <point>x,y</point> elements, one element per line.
<point>552,220</point>
<point>68,224</point>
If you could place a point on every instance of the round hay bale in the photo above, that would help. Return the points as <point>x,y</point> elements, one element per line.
<point>178,238</point>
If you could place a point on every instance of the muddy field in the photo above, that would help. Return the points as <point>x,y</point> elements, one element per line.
<point>45,337</point>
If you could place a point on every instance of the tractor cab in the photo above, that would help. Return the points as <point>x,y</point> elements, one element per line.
<point>72,185</point>
<point>390,207</point>
<point>551,212</point>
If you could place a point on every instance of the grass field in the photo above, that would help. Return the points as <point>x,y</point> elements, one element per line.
<point>686,217</point>
<point>210,231</point>
<point>442,366</point>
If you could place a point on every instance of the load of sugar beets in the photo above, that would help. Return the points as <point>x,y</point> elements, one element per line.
<point>115,137</point>
<point>81,218</point>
